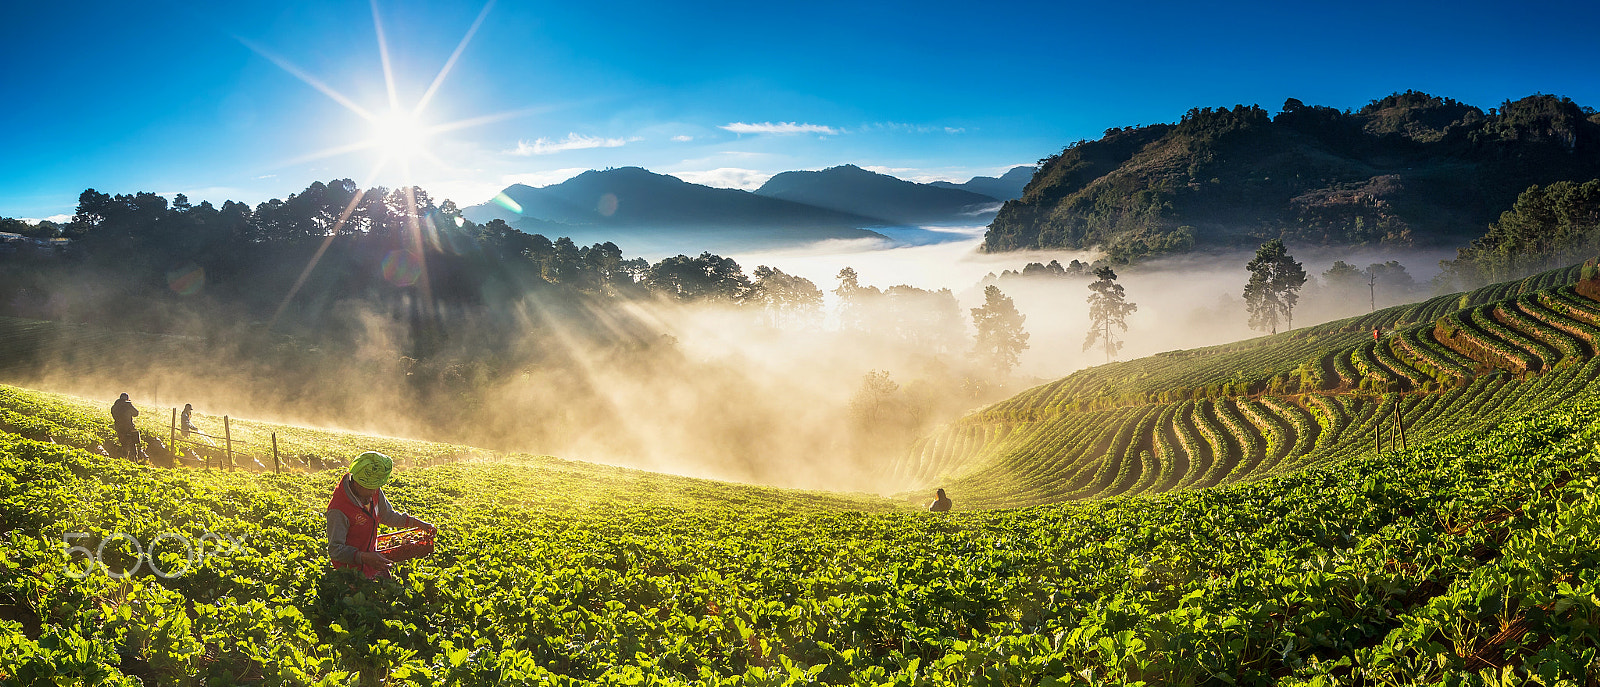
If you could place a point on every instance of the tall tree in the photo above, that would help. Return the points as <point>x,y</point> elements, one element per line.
<point>787,298</point>
<point>1108,309</point>
<point>1001,339</point>
<point>854,299</point>
<point>1274,287</point>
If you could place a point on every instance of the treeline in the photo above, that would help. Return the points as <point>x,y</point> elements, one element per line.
<point>1407,169</point>
<point>386,308</point>
<point>341,241</point>
<point>1549,226</point>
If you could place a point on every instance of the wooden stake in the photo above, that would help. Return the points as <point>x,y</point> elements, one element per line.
<point>275,468</point>
<point>172,436</point>
<point>227,434</point>
<point>1400,422</point>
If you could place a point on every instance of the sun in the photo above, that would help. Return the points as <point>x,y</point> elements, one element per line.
<point>399,135</point>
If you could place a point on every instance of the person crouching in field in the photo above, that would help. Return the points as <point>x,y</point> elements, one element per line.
<point>354,513</point>
<point>122,415</point>
<point>941,503</point>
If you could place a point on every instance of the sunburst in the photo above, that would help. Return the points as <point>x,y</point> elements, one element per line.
<point>399,135</point>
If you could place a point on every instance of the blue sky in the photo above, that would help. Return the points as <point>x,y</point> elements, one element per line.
<point>186,97</point>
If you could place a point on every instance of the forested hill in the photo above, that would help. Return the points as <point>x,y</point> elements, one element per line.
<point>1408,169</point>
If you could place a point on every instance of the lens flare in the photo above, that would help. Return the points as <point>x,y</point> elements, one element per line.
<point>402,267</point>
<point>505,201</point>
<point>187,280</point>
<point>608,204</point>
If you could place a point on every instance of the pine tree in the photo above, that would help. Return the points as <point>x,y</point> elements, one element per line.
<point>1274,287</point>
<point>1107,310</point>
<point>1001,339</point>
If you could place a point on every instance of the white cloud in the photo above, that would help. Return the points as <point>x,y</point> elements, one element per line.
<point>779,128</point>
<point>905,128</point>
<point>681,138</point>
<point>463,191</point>
<point>58,219</point>
<point>545,178</point>
<point>726,177</point>
<point>891,171</point>
<point>573,141</point>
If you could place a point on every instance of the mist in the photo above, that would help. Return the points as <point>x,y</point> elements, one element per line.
<point>707,389</point>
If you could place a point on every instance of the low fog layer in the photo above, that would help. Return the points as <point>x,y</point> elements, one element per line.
<point>1184,301</point>
<point>717,390</point>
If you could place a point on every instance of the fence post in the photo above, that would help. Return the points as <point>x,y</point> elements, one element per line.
<point>275,468</point>
<point>172,436</point>
<point>1400,421</point>
<point>227,434</point>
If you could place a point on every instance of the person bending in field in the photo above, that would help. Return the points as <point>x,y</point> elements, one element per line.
<point>941,503</point>
<point>357,507</point>
<point>122,415</point>
<point>186,424</point>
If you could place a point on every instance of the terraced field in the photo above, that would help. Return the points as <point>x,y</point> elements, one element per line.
<point>1243,411</point>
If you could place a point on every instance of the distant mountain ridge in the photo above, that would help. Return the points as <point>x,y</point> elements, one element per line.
<point>1007,186</point>
<point>635,204</point>
<point>848,188</point>
<point>658,212</point>
<point>1407,169</point>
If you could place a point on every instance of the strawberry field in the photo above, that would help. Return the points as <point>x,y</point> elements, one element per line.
<point>1471,560</point>
<point>1238,412</point>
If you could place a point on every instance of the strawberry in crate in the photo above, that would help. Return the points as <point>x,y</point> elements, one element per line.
<point>405,545</point>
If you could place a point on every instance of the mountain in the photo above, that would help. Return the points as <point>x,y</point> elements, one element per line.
<point>895,201</point>
<point>1408,169</point>
<point>655,211</point>
<point>1007,186</point>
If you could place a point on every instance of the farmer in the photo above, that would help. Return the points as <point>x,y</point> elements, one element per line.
<point>186,421</point>
<point>122,415</point>
<point>357,507</point>
<point>941,503</point>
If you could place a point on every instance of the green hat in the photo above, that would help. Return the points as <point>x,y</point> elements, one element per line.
<point>371,469</point>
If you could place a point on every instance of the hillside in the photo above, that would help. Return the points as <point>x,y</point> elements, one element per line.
<point>1274,405</point>
<point>643,209</point>
<point>854,190</point>
<point>1474,555</point>
<point>1408,169</point>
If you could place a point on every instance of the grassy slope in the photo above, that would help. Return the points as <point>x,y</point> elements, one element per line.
<point>1245,407</point>
<point>1472,554</point>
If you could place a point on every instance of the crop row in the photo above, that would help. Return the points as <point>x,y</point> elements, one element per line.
<point>1198,444</point>
<point>1434,358</point>
<point>1441,340</point>
<point>1586,334</point>
<point>1513,317</point>
<point>1469,560</point>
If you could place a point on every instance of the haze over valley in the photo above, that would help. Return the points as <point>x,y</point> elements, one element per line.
<point>369,343</point>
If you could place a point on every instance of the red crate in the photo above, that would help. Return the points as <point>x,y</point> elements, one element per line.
<point>405,545</point>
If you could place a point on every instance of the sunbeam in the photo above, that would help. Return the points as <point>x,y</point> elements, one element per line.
<point>383,55</point>
<point>422,103</point>
<point>316,257</point>
<point>309,80</point>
